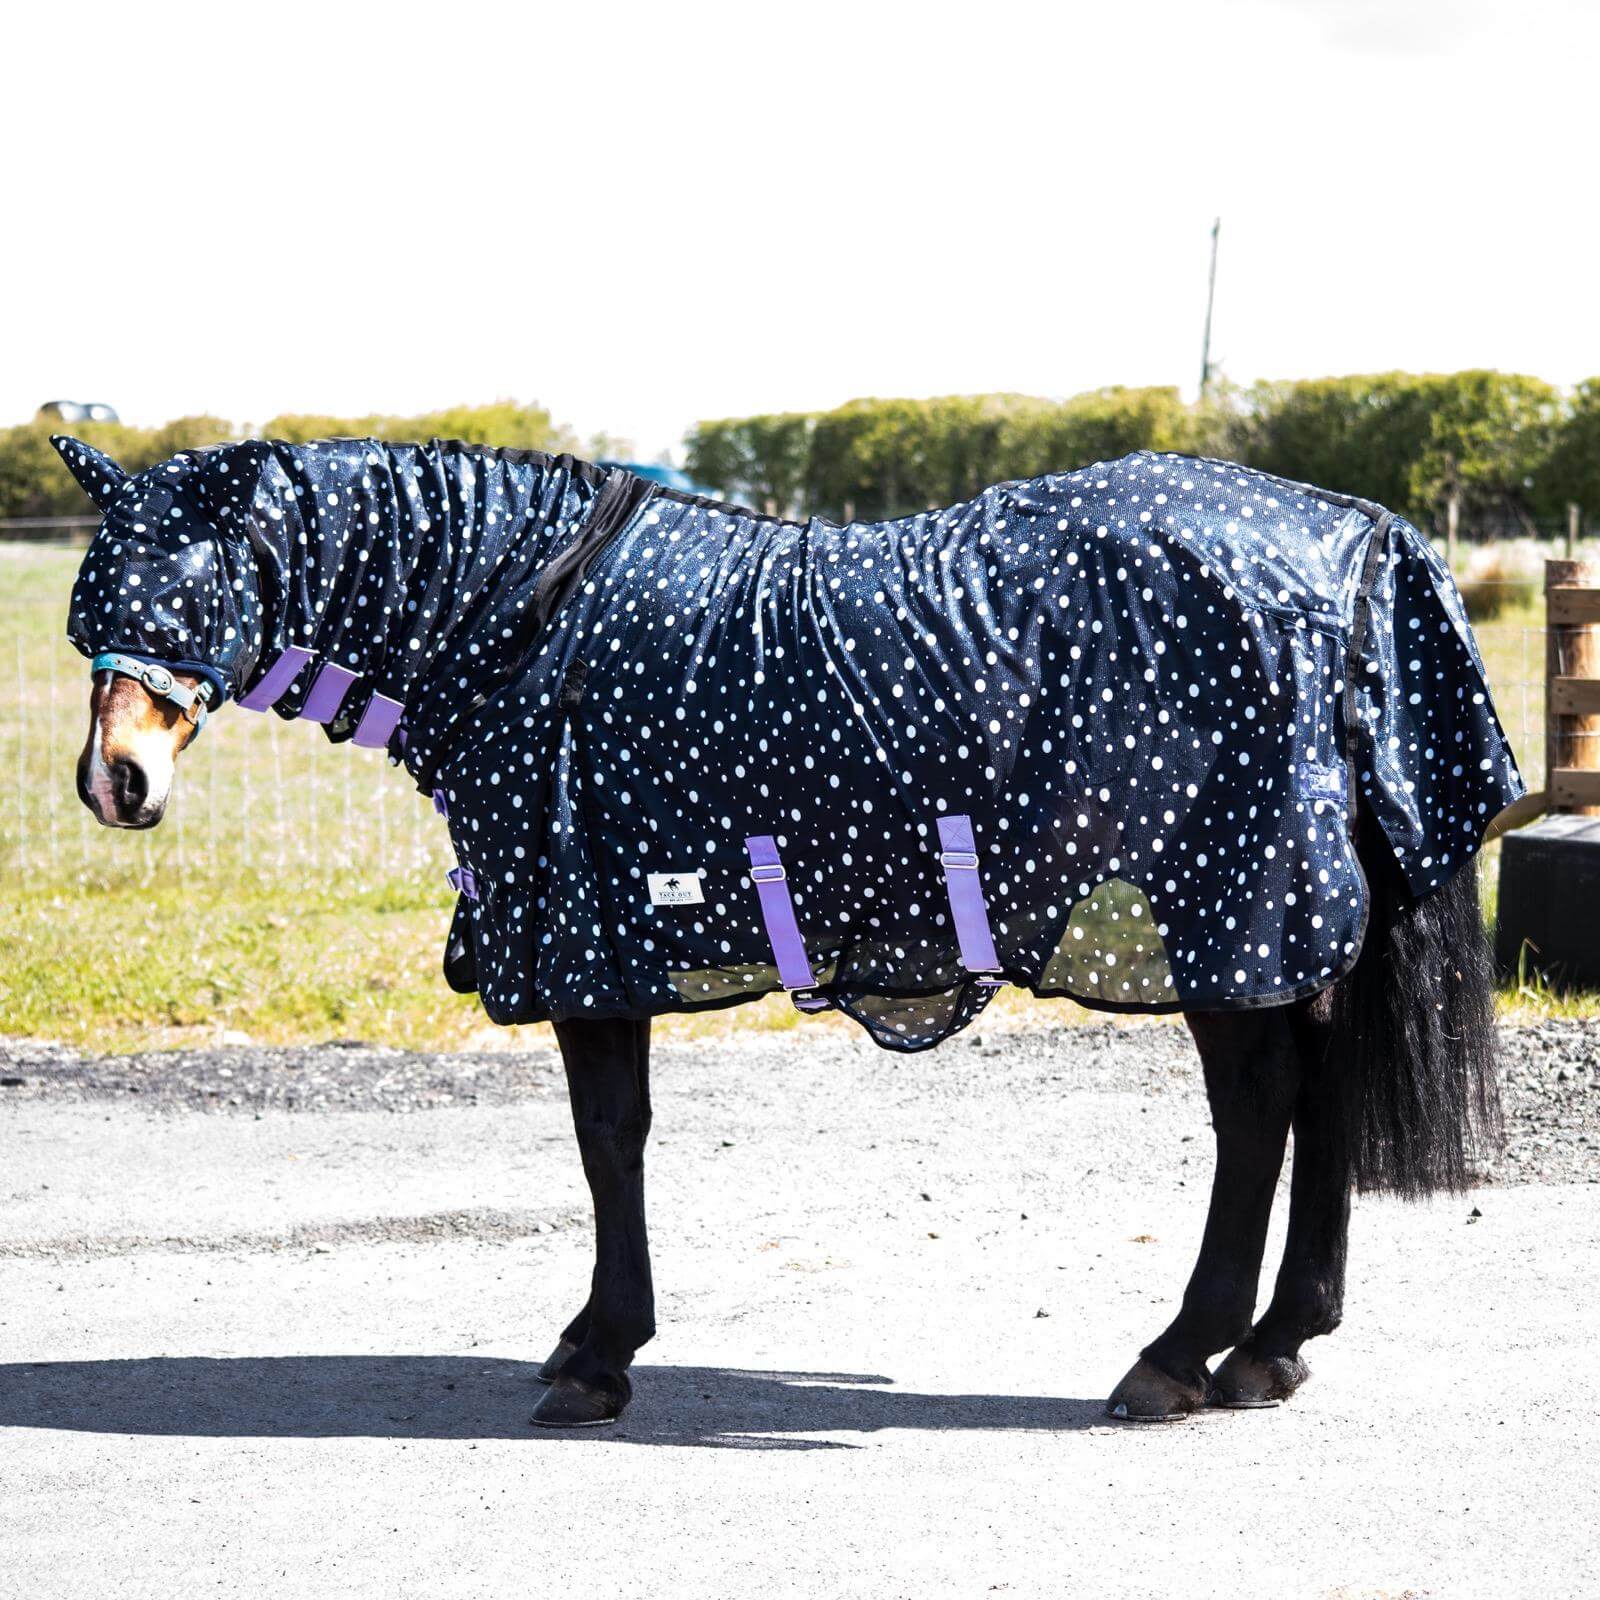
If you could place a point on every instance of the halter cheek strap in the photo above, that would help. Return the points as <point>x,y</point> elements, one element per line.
<point>160,682</point>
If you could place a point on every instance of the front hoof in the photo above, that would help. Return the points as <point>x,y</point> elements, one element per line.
<point>572,1403</point>
<point>1147,1394</point>
<point>1248,1382</point>
<point>555,1361</point>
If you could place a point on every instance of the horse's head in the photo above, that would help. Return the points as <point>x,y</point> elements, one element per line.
<point>166,605</point>
<point>135,734</point>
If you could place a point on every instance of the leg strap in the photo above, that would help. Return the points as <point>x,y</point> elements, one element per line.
<point>968,909</point>
<point>777,912</point>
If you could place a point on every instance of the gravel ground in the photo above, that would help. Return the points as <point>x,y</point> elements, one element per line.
<point>247,1350</point>
<point>1550,1073</point>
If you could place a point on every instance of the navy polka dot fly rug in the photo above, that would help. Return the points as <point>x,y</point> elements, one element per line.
<point>1100,734</point>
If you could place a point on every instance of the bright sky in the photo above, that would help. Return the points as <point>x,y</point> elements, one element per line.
<point>644,215</point>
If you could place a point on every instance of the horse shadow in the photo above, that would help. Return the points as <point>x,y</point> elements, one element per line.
<point>478,1398</point>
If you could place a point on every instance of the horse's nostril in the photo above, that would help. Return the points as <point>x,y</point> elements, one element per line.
<point>129,784</point>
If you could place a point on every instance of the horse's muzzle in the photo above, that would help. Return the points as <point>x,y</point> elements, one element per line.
<point>124,800</point>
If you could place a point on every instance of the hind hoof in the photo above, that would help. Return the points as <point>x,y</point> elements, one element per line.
<point>1147,1394</point>
<point>1248,1382</point>
<point>555,1361</point>
<point>572,1403</point>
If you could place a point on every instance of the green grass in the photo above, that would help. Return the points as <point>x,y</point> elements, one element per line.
<point>296,890</point>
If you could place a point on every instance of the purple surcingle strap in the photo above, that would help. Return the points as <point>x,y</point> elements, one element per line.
<point>958,855</point>
<point>327,693</point>
<point>777,911</point>
<point>464,881</point>
<point>377,722</point>
<point>274,683</point>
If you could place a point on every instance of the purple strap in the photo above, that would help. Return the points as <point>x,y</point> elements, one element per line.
<point>328,692</point>
<point>275,681</point>
<point>777,911</point>
<point>463,881</point>
<point>968,911</point>
<point>439,804</point>
<point>377,721</point>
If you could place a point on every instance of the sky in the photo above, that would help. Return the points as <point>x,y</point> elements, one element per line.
<point>644,216</point>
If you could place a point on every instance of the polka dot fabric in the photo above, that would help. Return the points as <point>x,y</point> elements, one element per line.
<point>1132,678</point>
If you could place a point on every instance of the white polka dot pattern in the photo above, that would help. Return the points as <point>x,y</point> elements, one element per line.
<point>1130,677</point>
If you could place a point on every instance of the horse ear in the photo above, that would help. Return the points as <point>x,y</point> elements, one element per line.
<point>98,475</point>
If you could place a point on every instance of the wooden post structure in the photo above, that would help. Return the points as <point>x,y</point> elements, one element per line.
<point>1572,686</point>
<point>1452,526</point>
<point>1574,528</point>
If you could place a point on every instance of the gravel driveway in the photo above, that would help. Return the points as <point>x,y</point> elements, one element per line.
<point>269,1318</point>
<point>1550,1073</point>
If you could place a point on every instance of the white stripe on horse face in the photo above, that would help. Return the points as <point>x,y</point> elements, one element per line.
<point>129,726</point>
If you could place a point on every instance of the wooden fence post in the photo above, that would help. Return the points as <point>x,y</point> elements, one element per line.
<point>1452,526</point>
<point>1572,686</point>
<point>1574,525</point>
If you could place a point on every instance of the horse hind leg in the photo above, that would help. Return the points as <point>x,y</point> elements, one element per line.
<point>607,1066</point>
<point>1252,1075</point>
<point>1308,1299</point>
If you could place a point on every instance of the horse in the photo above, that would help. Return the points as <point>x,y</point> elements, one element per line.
<point>1159,734</point>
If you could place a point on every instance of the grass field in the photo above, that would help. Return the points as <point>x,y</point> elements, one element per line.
<point>296,889</point>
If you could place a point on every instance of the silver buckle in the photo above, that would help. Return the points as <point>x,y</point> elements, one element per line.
<point>772,874</point>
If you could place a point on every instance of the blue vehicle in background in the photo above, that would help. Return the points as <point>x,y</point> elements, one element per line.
<point>667,477</point>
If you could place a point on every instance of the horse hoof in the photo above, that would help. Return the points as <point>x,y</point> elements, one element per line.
<point>555,1361</point>
<point>1248,1382</point>
<point>572,1403</point>
<point>1147,1394</point>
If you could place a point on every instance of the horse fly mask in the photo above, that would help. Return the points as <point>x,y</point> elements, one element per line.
<point>1101,733</point>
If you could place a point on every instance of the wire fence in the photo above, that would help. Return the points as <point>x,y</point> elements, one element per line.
<point>255,794</point>
<point>252,794</point>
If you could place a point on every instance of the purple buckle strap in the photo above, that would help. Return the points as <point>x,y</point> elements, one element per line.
<point>968,910</point>
<point>327,693</point>
<point>464,881</point>
<point>377,721</point>
<point>274,683</point>
<point>777,912</point>
<point>439,804</point>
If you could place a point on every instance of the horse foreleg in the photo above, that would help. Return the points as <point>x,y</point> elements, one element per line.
<point>608,1079</point>
<point>1309,1296</point>
<point>1252,1074</point>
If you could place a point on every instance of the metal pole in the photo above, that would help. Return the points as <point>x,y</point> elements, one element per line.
<point>1211,296</point>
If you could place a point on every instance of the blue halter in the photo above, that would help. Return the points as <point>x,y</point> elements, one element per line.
<point>160,682</point>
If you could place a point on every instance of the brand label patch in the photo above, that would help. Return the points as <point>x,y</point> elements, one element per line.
<point>675,889</point>
<point>1319,783</point>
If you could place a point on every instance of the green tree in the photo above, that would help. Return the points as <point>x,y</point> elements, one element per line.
<point>1489,437</point>
<point>1098,426</point>
<point>505,423</point>
<point>35,483</point>
<point>760,461</point>
<point>1572,471</point>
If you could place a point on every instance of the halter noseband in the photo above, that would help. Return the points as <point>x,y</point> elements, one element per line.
<point>160,682</point>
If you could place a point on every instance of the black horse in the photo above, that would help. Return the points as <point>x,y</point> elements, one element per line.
<point>1387,1080</point>
<point>1107,651</point>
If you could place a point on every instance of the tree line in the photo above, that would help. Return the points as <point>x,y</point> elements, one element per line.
<point>1512,451</point>
<point>34,483</point>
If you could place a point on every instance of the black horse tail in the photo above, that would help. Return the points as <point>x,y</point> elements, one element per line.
<point>1412,1035</point>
